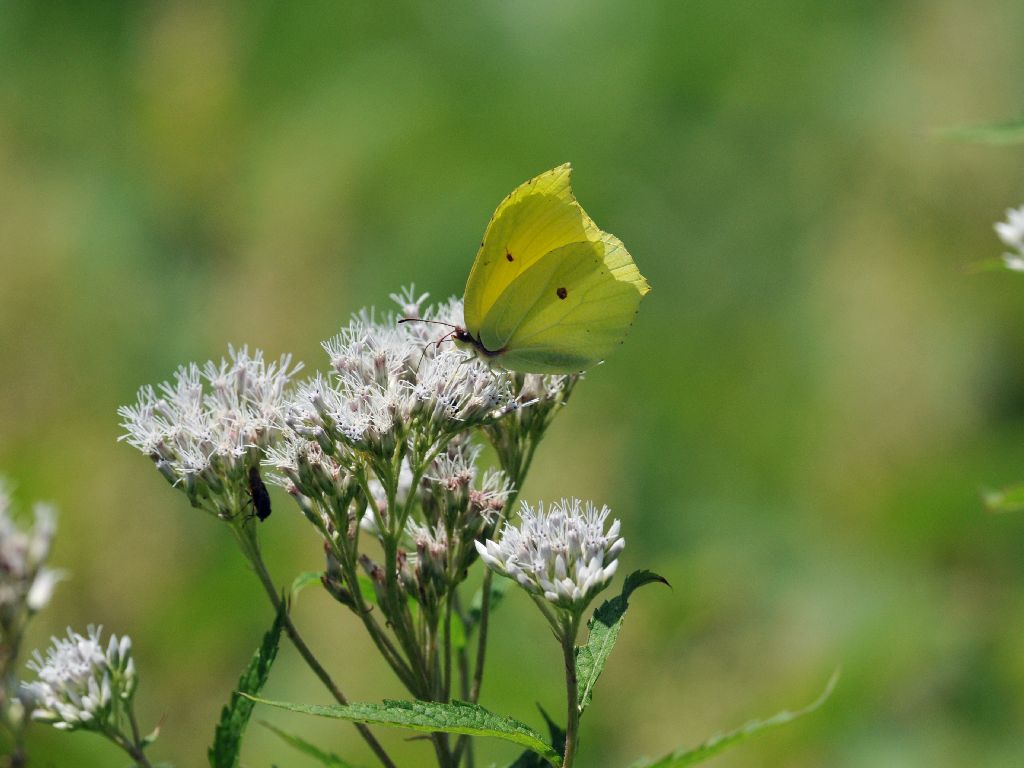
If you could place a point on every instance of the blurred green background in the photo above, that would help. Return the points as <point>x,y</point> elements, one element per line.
<point>795,434</point>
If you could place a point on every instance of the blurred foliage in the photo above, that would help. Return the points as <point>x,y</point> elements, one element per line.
<point>795,434</point>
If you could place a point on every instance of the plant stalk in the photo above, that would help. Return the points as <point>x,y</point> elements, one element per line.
<point>572,721</point>
<point>251,550</point>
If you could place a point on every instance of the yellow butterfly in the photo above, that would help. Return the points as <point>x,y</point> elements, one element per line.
<point>549,292</point>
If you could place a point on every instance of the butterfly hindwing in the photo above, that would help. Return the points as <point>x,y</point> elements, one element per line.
<point>567,311</point>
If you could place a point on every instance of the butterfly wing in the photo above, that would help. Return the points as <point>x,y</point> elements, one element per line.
<point>568,311</point>
<point>537,218</point>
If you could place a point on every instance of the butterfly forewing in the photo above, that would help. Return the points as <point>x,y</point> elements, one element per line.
<point>539,217</point>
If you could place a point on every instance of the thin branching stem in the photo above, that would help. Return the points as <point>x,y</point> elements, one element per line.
<point>516,468</point>
<point>134,750</point>
<point>518,476</point>
<point>446,688</point>
<point>572,721</point>
<point>387,649</point>
<point>250,547</point>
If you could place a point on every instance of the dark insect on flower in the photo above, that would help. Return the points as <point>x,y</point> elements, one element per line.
<point>258,493</point>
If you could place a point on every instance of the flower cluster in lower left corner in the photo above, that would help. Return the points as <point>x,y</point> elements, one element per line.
<point>82,685</point>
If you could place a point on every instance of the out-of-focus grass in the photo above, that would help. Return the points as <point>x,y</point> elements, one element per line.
<point>795,434</point>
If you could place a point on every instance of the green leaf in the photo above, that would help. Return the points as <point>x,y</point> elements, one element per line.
<point>431,717</point>
<point>328,759</point>
<point>723,741</point>
<point>604,631</point>
<point>1009,499</point>
<point>303,580</point>
<point>530,759</point>
<point>1004,133</point>
<point>227,738</point>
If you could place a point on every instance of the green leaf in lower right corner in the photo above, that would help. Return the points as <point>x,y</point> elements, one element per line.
<point>723,741</point>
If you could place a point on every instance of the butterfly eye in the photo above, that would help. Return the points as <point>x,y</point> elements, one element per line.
<point>561,293</point>
<point>509,256</point>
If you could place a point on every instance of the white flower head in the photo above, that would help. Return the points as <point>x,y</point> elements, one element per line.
<point>26,584</point>
<point>80,684</point>
<point>457,492</point>
<point>204,429</point>
<point>395,381</point>
<point>427,565</point>
<point>563,554</point>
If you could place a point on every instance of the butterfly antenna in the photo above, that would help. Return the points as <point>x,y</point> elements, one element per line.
<point>423,320</point>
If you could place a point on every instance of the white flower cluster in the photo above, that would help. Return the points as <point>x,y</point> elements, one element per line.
<point>1011,232</point>
<point>81,686</point>
<point>26,584</point>
<point>393,381</point>
<point>207,427</point>
<point>563,554</point>
<point>425,574</point>
<point>452,481</point>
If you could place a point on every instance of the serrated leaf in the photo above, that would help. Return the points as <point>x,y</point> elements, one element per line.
<point>530,759</point>
<point>1009,499</point>
<point>431,717</point>
<point>328,759</point>
<point>721,742</point>
<point>1006,132</point>
<point>227,738</point>
<point>604,629</point>
<point>303,580</point>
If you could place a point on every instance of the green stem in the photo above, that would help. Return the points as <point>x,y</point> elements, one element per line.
<point>134,750</point>
<point>485,602</point>
<point>518,475</point>
<point>394,606</point>
<point>16,731</point>
<point>345,556</point>
<point>444,756</point>
<point>387,649</point>
<point>398,615</point>
<point>446,688</point>
<point>572,722</point>
<point>250,547</point>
